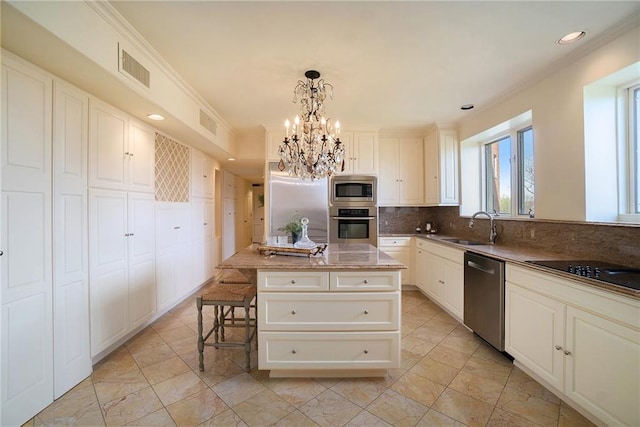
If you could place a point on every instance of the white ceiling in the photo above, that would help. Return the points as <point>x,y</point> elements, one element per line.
<point>393,64</point>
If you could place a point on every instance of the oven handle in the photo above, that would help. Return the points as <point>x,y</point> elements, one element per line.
<point>353,217</point>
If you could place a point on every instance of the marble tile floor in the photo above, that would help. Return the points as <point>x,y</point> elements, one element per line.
<point>449,377</point>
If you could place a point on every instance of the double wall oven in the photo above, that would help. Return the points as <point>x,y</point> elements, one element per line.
<point>353,212</point>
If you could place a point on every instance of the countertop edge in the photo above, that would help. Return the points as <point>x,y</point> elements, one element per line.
<point>519,256</point>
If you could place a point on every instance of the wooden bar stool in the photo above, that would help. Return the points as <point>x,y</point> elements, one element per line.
<point>229,296</point>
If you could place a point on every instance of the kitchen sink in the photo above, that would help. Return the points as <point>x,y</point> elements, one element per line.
<point>464,242</point>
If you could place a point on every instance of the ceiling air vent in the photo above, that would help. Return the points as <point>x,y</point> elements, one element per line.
<point>208,123</point>
<point>134,69</point>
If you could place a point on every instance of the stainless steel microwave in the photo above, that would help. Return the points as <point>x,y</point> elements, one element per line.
<point>353,190</point>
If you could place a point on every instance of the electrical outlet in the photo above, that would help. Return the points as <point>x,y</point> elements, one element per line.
<point>533,234</point>
<point>386,222</point>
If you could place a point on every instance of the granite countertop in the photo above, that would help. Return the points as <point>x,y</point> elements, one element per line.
<point>519,255</point>
<point>337,256</point>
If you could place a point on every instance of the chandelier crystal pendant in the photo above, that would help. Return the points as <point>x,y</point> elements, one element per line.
<point>312,148</point>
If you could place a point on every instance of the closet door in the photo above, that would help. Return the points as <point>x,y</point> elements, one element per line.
<point>72,346</point>
<point>108,275</point>
<point>141,242</point>
<point>26,337</point>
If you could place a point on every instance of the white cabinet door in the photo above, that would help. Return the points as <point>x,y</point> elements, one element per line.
<point>603,367</point>
<point>441,167</point>
<point>404,256</point>
<point>141,254</point>
<point>420,266</point>
<point>365,150</point>
<point>534,332</point>
<point>72,344</point>
<point>453,298</point>
<point>141,162</point>
<point>108,142</point>
<point>108,276</point>
<point>26,335</point>
<point>448,141</point>
<point>435,282</point>
<point>400,177</point>
<point>410,171</point>
<point>361,153</point>
<point>388,187</point>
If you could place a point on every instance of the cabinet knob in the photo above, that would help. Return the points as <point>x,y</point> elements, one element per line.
<point>131,154</point>
<point>205,223</point>
<point>126,154</point>
<point>293,312</point>
<point>1,253</point>
<point>366,281</point>
<point>176,228</point>
<point>130,234</point>
<point>294,351</point>
<point>366,351</point>
<point>293,282</point>
<point>440,281</point>
<point>567,352</point>
<point>126,234</point>
<point>366,312</point>
<point>204,176</point>
<point>558,347</point>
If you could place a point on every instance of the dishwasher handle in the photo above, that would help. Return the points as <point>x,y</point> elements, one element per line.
<point>482,268</point>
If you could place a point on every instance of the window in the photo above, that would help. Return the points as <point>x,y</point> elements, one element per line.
<point>509,174</point>
<point>634,148</point>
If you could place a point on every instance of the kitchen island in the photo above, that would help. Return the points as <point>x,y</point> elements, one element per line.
<point>332,315</point>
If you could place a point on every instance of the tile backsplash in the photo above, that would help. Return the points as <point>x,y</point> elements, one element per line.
<point>615,243</point>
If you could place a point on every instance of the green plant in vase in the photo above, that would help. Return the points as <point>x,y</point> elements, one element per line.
<point>294,226</point>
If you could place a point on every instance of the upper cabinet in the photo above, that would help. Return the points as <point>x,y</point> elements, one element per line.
<point>441,167</point>
<point>201,175</point>
<point>361,153</point>
<point>400,179</point>
<point>121,150</point>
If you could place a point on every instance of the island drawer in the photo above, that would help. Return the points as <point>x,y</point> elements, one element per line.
<point>293,280</point>
<point>365,280</point>
<point>329,311</point>
<point>394,241</point>
<point>332,350</point>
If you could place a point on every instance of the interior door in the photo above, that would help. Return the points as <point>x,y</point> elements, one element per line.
<point>26,338</point>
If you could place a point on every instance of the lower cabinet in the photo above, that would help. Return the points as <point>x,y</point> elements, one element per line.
<point>322,320</point>
<point>400,249</point>
<point>122,264</point>
<point>582,342</point>
<point>439,273</point>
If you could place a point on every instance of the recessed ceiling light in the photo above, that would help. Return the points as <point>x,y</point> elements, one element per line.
<point>155,116</point>
<point>572,37</point>
<point>231,159</point>
<point>467,107</point>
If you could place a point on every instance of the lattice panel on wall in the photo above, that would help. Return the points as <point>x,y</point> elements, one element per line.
<point>172,170</point>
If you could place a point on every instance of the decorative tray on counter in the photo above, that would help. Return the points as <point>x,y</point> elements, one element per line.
<point>288,249</point>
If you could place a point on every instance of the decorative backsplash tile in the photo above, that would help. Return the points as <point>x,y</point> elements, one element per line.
<point>172,170</point>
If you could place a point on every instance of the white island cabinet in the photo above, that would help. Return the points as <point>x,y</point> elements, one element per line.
<point>336,315</point>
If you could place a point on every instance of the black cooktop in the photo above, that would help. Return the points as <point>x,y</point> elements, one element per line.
<point>605,272</point>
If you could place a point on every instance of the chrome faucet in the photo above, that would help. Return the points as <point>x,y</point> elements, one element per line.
<point>494,232</point>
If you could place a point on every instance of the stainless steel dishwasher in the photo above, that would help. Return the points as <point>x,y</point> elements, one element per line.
<point>484,297</point>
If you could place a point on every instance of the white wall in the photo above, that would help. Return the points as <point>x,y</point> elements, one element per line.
<point>557,106</point>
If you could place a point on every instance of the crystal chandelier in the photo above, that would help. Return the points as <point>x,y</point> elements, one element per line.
<point>312,148</point>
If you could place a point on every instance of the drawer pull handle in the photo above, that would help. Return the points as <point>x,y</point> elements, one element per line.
<point>558,347</point>
<point>293,351</point>
<point>366,312</point>
<point>293,312</point>
<point>366,281</point>
<point>567,352</point>
<point>293,282</point>
<point>366,351</point>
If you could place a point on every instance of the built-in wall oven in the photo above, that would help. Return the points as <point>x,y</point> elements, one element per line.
<point>356,224</point>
